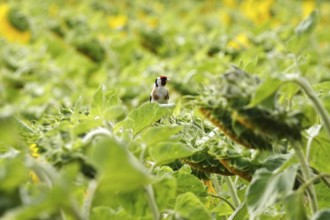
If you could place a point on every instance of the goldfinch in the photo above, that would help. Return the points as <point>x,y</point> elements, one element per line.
<point>159,93</point>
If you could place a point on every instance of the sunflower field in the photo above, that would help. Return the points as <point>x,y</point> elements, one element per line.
<point>245,135</point>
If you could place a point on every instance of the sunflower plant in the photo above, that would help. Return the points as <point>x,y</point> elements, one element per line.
<point>245,135</point>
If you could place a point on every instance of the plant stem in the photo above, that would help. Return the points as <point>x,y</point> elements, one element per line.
<point>152,202</point>
<point>325,118</point>
<point>307,175</point>
<point>317,103</point>
<point>215,182</point>
<point>232,191</point>
<point>312,180</point>
<point>326,181</point>
<point>224,199</point>
<point>236,212</point>
<point>311,137</point>
<point>92,186</point>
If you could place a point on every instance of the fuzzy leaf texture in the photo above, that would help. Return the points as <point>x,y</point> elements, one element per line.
<point>267,188</point>
<point>119,169</point>
<point>144,116</point>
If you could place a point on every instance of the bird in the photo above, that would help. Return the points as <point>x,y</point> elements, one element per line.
<point>159,93</point>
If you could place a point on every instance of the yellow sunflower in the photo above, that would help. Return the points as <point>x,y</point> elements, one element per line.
<point>9,32</point>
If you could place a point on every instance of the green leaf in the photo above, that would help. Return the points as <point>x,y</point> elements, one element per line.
<point>23,127</point>
<point>41,198</point>
<point>165,192</point>
<point>115,112</point>
<point>294,206</point>
<point>288,91</point>
<point>190,207</point>
<point>265,90</point>
<point>118,169</point>
<point>98,98</point>
<point>133,203</point>
<point>222,209</point>
<point>322,89</point>
<point>144,116</point>
<point>267,188</point>
<point>166,152</point>
<point>155,135</point>
<point>322,215</point>
<point>105,213</point>
<point>307,25</point>
<point>107,103</point>
<point>273,162</point>
<point>18,20</point>
<point>319,153</point>
<point>12,172</point>
<point>86,126</point>
<point>322,195</point>
<point>326,102</point>
<point>9,131</point>
<point>187,182</point>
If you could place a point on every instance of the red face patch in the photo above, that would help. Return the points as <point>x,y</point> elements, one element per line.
<point>163,77</point>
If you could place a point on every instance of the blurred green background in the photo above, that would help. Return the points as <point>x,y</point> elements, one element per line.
<point>54,52</point>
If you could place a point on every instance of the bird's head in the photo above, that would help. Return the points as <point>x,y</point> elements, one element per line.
<point>161,81</point>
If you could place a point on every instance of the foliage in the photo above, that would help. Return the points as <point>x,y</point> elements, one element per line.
<point>246,135</point>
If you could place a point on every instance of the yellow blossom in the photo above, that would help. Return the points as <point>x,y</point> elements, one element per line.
<point>34,150</point>
<point>230,3</point>
<point>9,32</point>
<point>117,22</point>
<point>307,7</point>
<point>158,7</point>
<point>210,190</point>
<point>209,185</point>
<point>239,42</point>
<point>34,177</point>
<point>325,12</point>
<point>151,22</point>
<point>148,19</point>
<point>53,10</point>
<point>225,18</point>
<point>35,153</point>
<point>257,11</point>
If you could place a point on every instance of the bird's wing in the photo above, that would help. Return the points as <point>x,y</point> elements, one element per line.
<point>167,96</point>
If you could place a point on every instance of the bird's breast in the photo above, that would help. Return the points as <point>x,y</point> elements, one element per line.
<point>161,92</point>
<point>160,95</point>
